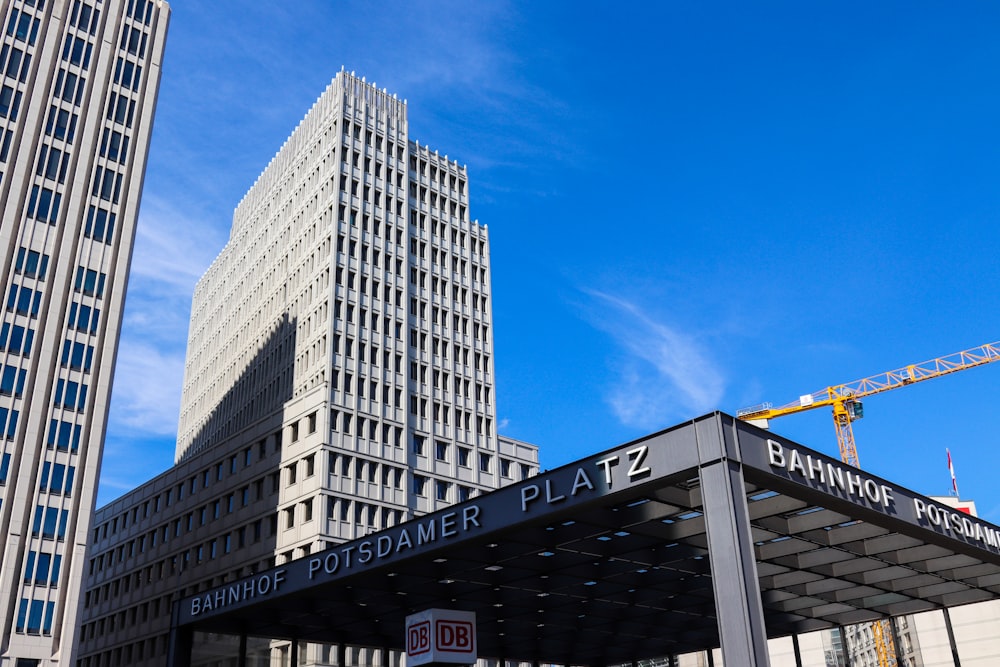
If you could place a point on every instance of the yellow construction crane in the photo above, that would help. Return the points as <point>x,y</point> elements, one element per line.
<point>845,399</point>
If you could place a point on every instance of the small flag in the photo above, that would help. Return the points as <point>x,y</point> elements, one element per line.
<point>951,469</point>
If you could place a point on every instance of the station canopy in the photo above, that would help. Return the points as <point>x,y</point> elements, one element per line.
<point>712,533</point>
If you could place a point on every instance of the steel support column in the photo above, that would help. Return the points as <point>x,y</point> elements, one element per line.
<point>734,568</point>
<point>181,641</point>
<point>951,637</point>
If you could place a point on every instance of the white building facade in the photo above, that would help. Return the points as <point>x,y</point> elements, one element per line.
<point>339,376</point>
<point>77,95</point>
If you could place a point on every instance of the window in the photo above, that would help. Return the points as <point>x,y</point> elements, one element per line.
<point>310,465</point>
<point>52,164</point>
<point>23,301</point>
<point>121,109</point>
<point>441,489</point>
<point>463,456</point>
<point>44,204</point>
<point>57,478</point>
<point>504,467</point>
<point>61,124</point>
<point>77,356</point>
<point>107,185</point>
<point>419,482</point>
<point>70,395</point>
<point>16,339</point>
<point>24,28</point>
<point>10,102</point>
<point>100,224</point>
<point>64,436</point>
<point>83,318</point>
<point>128,74</point>
<point>31,263</point>
<point>50,522</point>
<point>4,468</point>
<point>418,445</point>
<point>441,451</point>
<point>12,381</point>
<point>77,51</point>
<point>89,282</point>
<point>484,462</point>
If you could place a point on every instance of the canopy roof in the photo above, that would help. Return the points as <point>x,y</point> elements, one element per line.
<point>677,542</point>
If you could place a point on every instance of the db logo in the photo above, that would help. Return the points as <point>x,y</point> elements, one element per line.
<point>440,636</point>
<point>454,636</point>
<point>418,638</point>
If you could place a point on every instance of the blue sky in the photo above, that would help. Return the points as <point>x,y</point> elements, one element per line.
<point>692,206</point>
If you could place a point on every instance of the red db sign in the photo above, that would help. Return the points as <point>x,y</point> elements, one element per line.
<point>441,635</point>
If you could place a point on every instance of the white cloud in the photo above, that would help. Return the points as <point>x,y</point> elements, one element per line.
<point>665,375</point>
<point>171,252</point>
<point>146,394</point>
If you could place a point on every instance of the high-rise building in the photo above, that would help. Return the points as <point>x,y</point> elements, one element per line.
<point>77,95</point>
<point>339,375</point>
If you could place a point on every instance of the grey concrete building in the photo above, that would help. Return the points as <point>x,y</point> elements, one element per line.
<point>77,95</point>
<point>339,376</point>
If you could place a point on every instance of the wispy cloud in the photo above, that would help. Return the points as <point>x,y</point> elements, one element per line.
<point>665,373</point>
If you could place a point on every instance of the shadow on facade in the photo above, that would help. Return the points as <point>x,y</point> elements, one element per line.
<point>258,393</point>
<point>214,511</point>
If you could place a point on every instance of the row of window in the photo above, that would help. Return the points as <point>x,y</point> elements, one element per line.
<point>12,381</point>
<point>22,26</point>
<point>44,204</point>
<point>8,423</point>
<point>170,566</point>
<point>100,224</point>
<point>421,167</point>
<point>366,428</point>
<point>176,493</point>
<point>42,569</point>
<point>14,63</point>
<point>107,185</point>
<point>84,17</point>
<point>128,74</point>
<point>10,102</point>
<point>70,395</point>
<point>442,489</point>
<point>83,317</point>
<point>77,356</point>
<point>16,339</point>
<point>52,164</point>
<point>89,282</point>
<point>77,51</point>
<point>362,469</point>
<point>64,436</point>
<point>32,264</point>
<point>60,124</point>
<point>57,478</point>
<point>348,510</point>
<point>34,617</point>
<point>49,523</point>
<point>23,301</point>
<point>69,87</point>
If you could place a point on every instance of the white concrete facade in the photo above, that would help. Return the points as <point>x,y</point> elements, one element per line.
<point>339,376</point>
<point>77,95</point>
